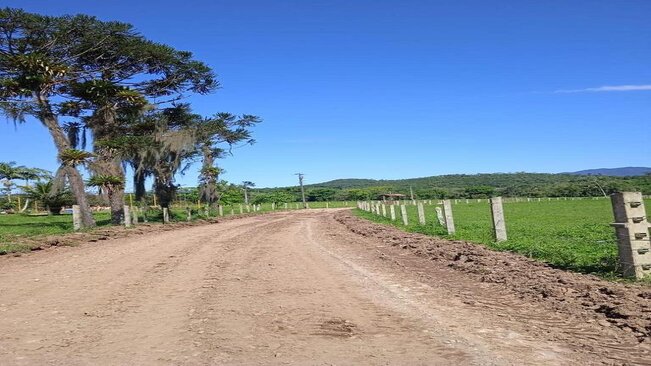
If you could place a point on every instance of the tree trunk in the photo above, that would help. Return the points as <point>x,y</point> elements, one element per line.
<point>139,178</point>
<point>208,181</point>
<point>106,164</point>
<point>117,207</point>
<point>78,190</point>
<point>74,177</point>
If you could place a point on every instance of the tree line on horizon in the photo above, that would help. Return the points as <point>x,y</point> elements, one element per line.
<point>81,76</point>
<point>465,186</point>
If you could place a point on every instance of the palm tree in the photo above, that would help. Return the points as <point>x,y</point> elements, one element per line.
<point>51,197</point>
<point>8,172</point>
<point>245,187</point>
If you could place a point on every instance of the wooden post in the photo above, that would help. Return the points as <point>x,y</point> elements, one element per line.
<point>403,213</point>
<point>499,224</point>
<point>449,219</point>
<point>76,218</point>
<point>439,216</point>
<point>166,215</point>
<point>127,216</point>
<point>421,213</point>
<point>392,212</point>
<point>632,230</point>
<point>207,211</point>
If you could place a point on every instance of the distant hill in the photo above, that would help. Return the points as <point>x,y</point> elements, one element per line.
<point>519,184</point>
<point>452,181</point>
<point>630,171</point>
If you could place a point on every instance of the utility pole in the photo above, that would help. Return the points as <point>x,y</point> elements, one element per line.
<point>300,181</point>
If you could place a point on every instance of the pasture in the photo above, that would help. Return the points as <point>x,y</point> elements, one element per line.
<point>573,234</point>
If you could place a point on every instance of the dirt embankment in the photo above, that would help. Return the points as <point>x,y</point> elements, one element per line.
<point>622,311</point>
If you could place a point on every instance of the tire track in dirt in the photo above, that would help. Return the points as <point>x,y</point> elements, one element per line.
<point>285,288</point>
<point>314,306</point>
<point>108,285</point>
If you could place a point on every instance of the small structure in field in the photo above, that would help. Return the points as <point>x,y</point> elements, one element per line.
<point>392,197</point>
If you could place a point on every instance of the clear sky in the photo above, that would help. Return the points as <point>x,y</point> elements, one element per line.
<point>398,89</point>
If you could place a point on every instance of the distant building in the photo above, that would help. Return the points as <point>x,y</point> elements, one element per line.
<point>391,197</point>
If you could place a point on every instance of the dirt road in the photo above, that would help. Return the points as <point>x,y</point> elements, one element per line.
<point>284,288</point>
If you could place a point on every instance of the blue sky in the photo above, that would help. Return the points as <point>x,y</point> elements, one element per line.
<point>398,89</point>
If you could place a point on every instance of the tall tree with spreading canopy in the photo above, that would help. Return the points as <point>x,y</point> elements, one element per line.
<point>216,136</point>
<point>101,73</point>
<point>35,69</point>
<point>165,142</point>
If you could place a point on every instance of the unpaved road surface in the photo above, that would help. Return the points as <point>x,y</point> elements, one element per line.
<point>316,287</point>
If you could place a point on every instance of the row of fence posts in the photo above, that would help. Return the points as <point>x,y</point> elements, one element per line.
<point>131,214</point>
<point>443,214</point>
<point>631,225</point>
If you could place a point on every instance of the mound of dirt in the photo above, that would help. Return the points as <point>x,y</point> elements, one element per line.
<point>623,307</point>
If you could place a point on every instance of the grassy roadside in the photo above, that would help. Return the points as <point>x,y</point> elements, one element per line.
<point>571,235</point>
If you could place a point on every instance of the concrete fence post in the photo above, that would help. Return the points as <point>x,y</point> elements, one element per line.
<point>327,205</point>
<point>188,212</point>
<point>439,216</point>
<point>632,230</point>
<point>273,206</point>
<point>76,218</point>
<point>403,213</point>
<point>392,212</point>
<point>384,210</point>
<point>421,214</point>
<point>449,219</point>
<point>285,205</point>
<point>134,215</point>
<point>221,210</point>
<point>497,214</point>
<point>166,215</point>
<point>127,216</point>
<point>241,209</point>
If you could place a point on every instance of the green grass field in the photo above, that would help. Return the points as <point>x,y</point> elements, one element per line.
<point>573,235</point>
<point>14,228</point>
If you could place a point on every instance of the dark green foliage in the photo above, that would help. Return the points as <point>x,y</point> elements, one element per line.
<point>47,195</point>
<point>484,185</point>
